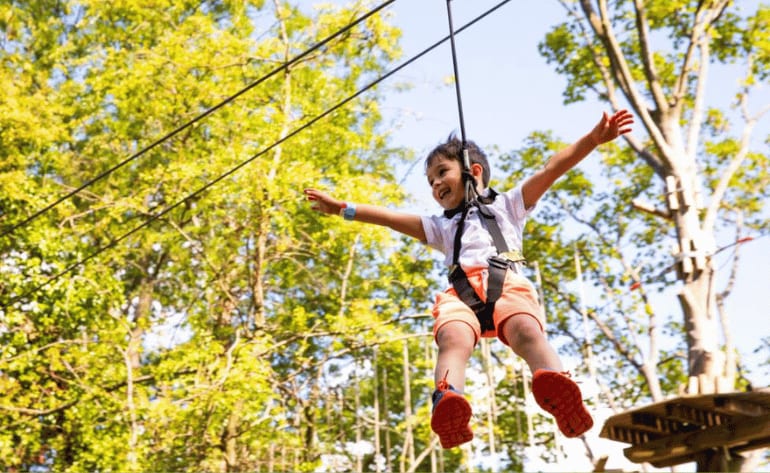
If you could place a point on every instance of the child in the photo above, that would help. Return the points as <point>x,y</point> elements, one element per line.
<point>475,235</point>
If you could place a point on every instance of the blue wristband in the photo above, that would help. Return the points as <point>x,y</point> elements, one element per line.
<point>348,211</point>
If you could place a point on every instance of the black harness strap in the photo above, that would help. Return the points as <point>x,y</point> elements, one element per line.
<point>459,279</point>
<point>498,265</point>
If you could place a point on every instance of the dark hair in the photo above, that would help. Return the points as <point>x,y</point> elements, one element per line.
<point>452,148</point>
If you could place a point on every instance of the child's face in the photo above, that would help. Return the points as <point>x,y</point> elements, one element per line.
<point>446,182</point>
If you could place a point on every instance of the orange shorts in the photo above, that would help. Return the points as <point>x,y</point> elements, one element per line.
<point>518,298</point>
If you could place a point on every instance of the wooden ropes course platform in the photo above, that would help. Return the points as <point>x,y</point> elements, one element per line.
<point>677,430</point>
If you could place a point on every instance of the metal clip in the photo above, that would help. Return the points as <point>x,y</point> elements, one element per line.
<point>514,256</point>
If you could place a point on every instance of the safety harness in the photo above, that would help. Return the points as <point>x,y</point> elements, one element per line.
<point>498,264</point>
<point>504,259</point>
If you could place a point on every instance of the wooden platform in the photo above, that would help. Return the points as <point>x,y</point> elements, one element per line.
<point>674,431</point>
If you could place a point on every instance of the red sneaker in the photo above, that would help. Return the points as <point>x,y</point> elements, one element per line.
<point>451,414</point>
<point>556,393</point>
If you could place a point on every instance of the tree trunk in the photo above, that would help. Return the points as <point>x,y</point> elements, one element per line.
<point>707,365</point>
<point>695,268</point>
<point>231,436</point>
<point>359,460</point>
<point>492,414</point>
<point>430,356</point>
<point>722,460</point>
<point>132,359</point>
<point>264,226</point>
<point>408,451</point>
<point>386,417</point>
<point>376,407</point>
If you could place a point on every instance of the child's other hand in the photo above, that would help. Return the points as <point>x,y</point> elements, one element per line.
<point>610,127</point>
<point>323,202</point>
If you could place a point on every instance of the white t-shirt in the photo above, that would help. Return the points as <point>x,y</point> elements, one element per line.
<point>477,244</point>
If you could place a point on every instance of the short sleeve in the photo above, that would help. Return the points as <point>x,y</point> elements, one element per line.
<point>434,237</point>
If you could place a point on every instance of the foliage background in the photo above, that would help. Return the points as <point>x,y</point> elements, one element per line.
<point>238,331</point>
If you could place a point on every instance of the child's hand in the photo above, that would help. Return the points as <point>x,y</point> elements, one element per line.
<point>610,128</point>
<point>323,202</point>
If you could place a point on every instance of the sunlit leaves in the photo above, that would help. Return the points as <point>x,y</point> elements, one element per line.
<point>205,330</point>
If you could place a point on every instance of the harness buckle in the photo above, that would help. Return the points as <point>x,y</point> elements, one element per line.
<point>514,256</point>
<point>500,263</point>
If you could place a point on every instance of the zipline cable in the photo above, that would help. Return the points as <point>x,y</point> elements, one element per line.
<point>200,117</point>
<point>210,184</point>
<point>470,187</point>
<point>456,73</point>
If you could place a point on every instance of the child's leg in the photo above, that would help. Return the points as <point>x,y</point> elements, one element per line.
<point>554,391</point>
<point>451,411</point>
<point>456,330</point>
<point>525,337</point>
<point>455,342</point>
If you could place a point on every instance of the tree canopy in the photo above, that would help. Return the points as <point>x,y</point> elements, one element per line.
<point>168,301</point>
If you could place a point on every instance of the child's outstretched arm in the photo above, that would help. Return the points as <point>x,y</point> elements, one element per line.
<point>608,128</point>
<point>407,224</point>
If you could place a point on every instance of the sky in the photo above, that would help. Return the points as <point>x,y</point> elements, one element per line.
<point>508,91</point>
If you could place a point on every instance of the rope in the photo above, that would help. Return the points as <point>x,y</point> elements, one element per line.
<point>470,188</point>
<point>457,76</point>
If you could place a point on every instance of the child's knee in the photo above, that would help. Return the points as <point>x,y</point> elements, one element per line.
<point>522,329</point>
<point>456,334</point>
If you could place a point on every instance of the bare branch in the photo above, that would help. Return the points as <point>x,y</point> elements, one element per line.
<point>619,347</point>
<point>696,121</point>
<point>646,207</point>
<point>346,276</point>
<point>733,166</point>
<point>622,72</point>
<point>649,65</point>
<point>612,95</point>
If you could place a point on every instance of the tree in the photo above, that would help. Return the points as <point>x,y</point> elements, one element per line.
<point>693,181</point>
<point>205,339</point>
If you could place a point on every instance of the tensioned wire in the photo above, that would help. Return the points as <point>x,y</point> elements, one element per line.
<point>198,118</point>
<point>211,183</point>
<point>471,195</point>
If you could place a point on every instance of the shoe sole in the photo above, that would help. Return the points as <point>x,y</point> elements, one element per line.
<point>561,397</point>
<point>450,420</point>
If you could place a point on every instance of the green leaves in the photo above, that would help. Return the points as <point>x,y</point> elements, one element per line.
<point>203,334</point>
